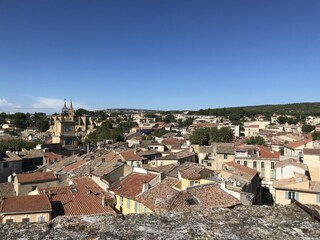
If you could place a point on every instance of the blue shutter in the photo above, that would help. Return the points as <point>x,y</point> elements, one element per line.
<point>318,198</point>
<point>287,195</point>
<point>297,196</point>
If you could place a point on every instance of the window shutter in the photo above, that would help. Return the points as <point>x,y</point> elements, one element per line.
<point>297,196</point>
<point>318,198</point>
<point>287,195</point>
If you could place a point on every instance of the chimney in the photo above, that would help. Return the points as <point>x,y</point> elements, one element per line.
<point>103,201</point>
<point>145,186</point>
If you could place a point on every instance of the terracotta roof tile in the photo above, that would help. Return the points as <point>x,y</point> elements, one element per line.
<point>241,168</point>
<point>26,204</point>
<point>266,152</point>
<point>82,198</point>
<point>297,143</point>
<point>157,197</point>
<point>36,177</point>
<point>311,151</point>
<point>291,161</point>
<point>9,157</point>
<point>130,156</point>
<point>203,196</point>
<point>131,186</point>
<point>73,166</point>
<point>6,190</point>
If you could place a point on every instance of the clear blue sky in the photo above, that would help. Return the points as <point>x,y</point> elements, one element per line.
<point>158,54</point>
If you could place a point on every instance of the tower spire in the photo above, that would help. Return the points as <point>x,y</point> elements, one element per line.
<point>71,108</point>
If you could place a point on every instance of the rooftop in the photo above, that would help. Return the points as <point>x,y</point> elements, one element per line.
<point>84,197</point>
<point>131,186</point>
<point>36,177</point>
<point>31,203</point>
<point>291,161</point>
<point>297,144</point>
<point>311,151</point>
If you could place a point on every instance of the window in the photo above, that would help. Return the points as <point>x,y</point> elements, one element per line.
<point>121,201</point>
<point>9,221</point>
<point>254,164</point>
<point>68,141</point>
<point>225,156</point>
<point>67,129</point>
<point>318,198</point>
<point>292,195</point>
<point>34,188</point>
<point>209,164</point>
<point>136,207</point>
<point>262,164</point>
<point>272,165</point>
<point>245,163</point>
<point>41,219</point>
<point>5,165</point>
<point>238,162</point>
<point>25,220</point>
<point>192,182</point>
<point>128,203</point>
<point>191,201</point>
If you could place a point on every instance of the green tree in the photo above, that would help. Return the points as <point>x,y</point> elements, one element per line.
<point>306,128</point>
<point>224,135</point>
<point>185,123</point>
<point>81,111</point>
<point>160,132</point>
<point>126,126</point>
<point>169,118</point>
<point>150,115</point>
<point>16,145</point>
<point>42,124</point>
<point>256,140</point>
<point>200,136</point>
<point>20,120</point>
<point>315,136</point>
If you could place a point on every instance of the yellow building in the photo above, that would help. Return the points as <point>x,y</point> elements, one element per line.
<point>311,157</point>
<point>128,189</point>
<point>298,187</point>
<point>25,209</point>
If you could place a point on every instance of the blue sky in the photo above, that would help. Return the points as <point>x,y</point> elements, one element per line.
<point>158,54</point>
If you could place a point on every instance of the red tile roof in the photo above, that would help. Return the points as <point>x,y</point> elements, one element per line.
<point>253,126</point>
<point>130,156</point>
<point>31,203</point>
<point>36,177</point>
<point>172,141</point>
<point>82,198</point>
<point>296,144</point>
<point>52,156</point>
<point>266,152</point>
<point>242,169</point>
<point>205,196</point>
<point>204,125</point>
<point>73,166</point>
<point>131,186</point>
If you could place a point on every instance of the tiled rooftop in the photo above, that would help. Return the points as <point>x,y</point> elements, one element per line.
<point>82,198</point>
<point>26,204</point>
<point>35,177</point>
<point>6,190</point>
<point>297,144</point>
<point>291,161</point>
<point>132,185</point>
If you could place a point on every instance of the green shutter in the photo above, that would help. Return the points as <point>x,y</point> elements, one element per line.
<point>287,195</point>
<point>136,207</point>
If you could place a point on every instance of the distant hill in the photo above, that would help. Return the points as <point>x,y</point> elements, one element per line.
<point>308,108</point>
